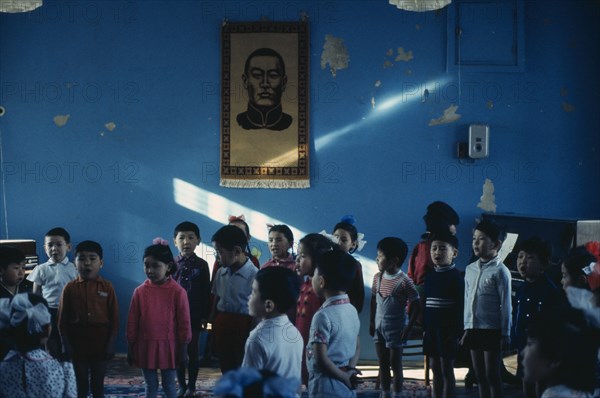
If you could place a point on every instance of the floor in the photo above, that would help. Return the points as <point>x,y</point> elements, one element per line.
<point>413,370</point>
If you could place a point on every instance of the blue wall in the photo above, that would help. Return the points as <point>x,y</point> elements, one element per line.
<point>153,69</point>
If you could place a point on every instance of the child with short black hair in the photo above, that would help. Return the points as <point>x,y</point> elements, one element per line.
<point>333,346</point>
<point>253,383</point>
<point>28,370</point>
<point>488,308</point>
<point>88,313</point>
<point>350,241</point>
<point>193,275</point>
<point>240,222</point>
<point>537,294</point>
<point>232,287</point>
<point>12,271</point>
<point>158,325</point>
<point>443,294</point>
<point>391,291</point>
<point>281,246</point>
<point>309,249</point>
<point>561,353</point>
<point>50,278</point>
<point>274,344</point>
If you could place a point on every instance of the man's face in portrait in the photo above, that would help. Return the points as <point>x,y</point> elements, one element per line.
<point>265,81</point>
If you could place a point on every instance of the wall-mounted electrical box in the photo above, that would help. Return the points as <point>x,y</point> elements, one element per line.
<point>479,141</point>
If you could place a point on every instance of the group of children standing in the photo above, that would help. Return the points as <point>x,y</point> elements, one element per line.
<point>296,316</point>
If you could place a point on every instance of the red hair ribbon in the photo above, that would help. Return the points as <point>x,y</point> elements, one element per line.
<point>236,218</point>
<point>160,241</point>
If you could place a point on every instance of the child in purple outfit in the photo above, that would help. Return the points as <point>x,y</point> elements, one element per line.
<point>193,275</point>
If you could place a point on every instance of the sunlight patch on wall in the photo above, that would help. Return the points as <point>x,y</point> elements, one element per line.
<point>409,94</point>
<point>218,208</point>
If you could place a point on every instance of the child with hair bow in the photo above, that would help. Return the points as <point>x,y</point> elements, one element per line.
<point>158,325</point>
<point>27,370</point>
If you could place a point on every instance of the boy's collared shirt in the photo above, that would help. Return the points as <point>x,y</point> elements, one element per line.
<point>276,345</point>
<point>52,277</point>
<point>234,288</point>
<point>89,302</point>
<point>488,296</point>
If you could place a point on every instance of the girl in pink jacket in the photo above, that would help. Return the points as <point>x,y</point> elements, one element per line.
<point>158,325</point>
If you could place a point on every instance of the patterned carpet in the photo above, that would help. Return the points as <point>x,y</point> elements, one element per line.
<point>123,381</point>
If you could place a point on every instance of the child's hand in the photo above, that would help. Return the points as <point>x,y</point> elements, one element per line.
<point>182,355</point>
<point>463,338</point>
<point>67,350</point>
<point>505,343</point>
<point>130,357</point>
<point>350,377</point>
<point>203,323</point>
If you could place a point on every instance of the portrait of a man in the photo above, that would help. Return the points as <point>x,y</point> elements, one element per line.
<point>265,105</point>
<point>265,80</point>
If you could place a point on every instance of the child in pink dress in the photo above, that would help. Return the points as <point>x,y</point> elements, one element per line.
<point>158,325</point>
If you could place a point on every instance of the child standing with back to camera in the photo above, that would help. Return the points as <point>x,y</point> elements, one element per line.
<point>488,308</point>
<point>392,290</point>
<point>158,326</point>
<point>28,370</point>
<point>333,345</point>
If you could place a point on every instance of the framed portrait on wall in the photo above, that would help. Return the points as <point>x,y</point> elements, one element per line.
<point>264,105</point>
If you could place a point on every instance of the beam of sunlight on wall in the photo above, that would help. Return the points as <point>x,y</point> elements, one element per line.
<point>218,208</point>
<point>410,93</point>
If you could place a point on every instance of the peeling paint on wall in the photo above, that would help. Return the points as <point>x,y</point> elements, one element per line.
<point>487,201</point>
<point>401,56</point>
<point>567,107</point>
<point>61,120</point>
<point>335,54</point>
<point>110,126</point>
<point>404,56</point>
<point>378,83</point>
<point>449,116</point>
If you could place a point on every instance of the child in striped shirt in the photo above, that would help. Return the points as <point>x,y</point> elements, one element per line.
<point>443,293</point>
<point>392,290</point>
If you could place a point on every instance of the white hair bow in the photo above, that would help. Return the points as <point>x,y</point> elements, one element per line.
<point>331,237</point>
<point>360,242</point>
<point>20,309</point>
